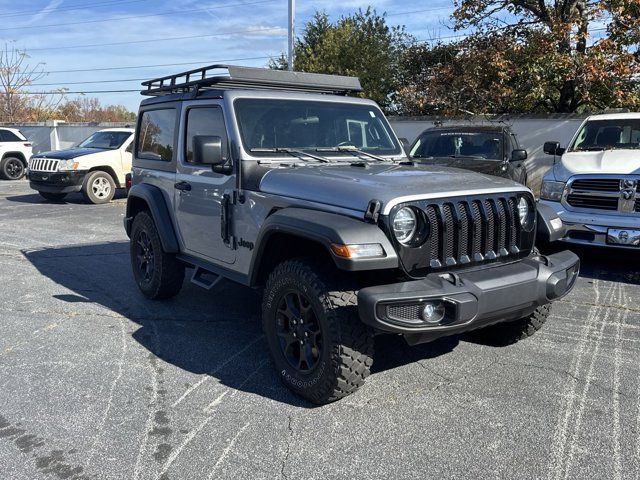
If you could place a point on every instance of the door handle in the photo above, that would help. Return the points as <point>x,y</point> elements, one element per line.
<point>183,186</point>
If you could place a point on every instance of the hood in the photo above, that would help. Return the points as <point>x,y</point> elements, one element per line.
<point>607,161</point>
<point>69,153</point>
<point>490,167</point>
<point>353,187</point>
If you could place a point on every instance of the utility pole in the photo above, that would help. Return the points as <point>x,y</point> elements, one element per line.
<point>292,38</point>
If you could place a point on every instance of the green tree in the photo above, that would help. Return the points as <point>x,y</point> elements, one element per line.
<point>361,44</point>
<point>575,61</point>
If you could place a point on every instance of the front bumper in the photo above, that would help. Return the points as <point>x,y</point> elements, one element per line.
<point>592,228</point>
<point>57,182</point>
<point>472,299</point>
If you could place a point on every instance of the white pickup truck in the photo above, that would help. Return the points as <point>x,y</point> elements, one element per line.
<point>594,187</point>
<point>96,167</point>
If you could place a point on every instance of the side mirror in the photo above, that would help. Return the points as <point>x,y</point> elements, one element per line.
<point>518,155</point>
<point>207,150</point>
<point>553,148</point>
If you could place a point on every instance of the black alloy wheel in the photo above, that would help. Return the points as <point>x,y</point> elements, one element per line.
<point>14,169</point>
<point>145,256</point>
<point>299,331</point>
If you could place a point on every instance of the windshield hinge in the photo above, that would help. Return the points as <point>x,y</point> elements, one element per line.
<point>373,211</point>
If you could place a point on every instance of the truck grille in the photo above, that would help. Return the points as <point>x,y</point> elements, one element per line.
<point>467,231</point>
<point>43,165</point>
<point>618,194</point>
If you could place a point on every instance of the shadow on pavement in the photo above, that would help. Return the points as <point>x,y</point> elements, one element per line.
<point>72,198</point>
<point>218,332</point>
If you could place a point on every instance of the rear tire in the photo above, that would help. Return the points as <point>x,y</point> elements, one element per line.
<point>158,274</point>
<point>319,346</point>
<point>52,196</point>
<point>511,332</point>
<point>98,187</point>
<point>12,168</point>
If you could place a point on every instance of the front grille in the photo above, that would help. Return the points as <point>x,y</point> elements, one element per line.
<point>617,194</point>
<point>589,201</point>
<point>43,165</point>
<point>637,206</point>
<point>460,232</point>
<point>597,184</point>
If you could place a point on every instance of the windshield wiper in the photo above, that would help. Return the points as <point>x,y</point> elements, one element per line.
<point>353,150</point>
<point>291,151</point>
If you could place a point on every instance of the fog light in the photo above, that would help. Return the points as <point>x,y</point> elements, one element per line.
<point>432,312</point>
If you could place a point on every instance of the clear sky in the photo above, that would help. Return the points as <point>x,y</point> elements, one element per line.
<point>73,35</point>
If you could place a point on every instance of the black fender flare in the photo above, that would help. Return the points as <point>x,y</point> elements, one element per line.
<point>325,228</point>
<point>157,204</point>
<point>547,232</point>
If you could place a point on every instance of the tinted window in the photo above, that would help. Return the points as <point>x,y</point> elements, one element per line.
<point>156,133</point>
<point>204,121</point>
<point>309,125</point>
<point>8,136</point>
<point>484,145</point>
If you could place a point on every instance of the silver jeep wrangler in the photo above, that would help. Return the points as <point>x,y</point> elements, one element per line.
<point>280,181</point>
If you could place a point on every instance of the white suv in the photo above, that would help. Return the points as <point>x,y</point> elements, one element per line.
<point>15,150</point>
<point>96,167</point>
<point>595,186</point>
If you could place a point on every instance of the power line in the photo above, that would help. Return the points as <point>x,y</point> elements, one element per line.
<point>169,12</point>
<point>66,47</point>
<point>24,13</point>
<point>84,92</point>
<point>133,67</point>
<point>141,79</point>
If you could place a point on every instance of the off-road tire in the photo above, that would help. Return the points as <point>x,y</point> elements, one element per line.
<point>52,196</point>
<point>12,168</point>
<point>346,355</point>
<point>511,332</point>
<point>98,187</point>
<point>167,273</point>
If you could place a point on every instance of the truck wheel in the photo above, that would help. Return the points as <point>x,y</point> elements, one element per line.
<point>12,168</point>
<point>158,274</point>
<point>320,348</point>
<point>52,196</point>
<point>98,187</point>
<point>512,332</point>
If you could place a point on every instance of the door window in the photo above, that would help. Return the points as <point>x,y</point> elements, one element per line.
<point>156,133</point>
<point>204,121</point>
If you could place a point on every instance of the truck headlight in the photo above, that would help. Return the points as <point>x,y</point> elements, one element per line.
<point>67,165</point>
<point>551,191</point>
<point>404,225</point>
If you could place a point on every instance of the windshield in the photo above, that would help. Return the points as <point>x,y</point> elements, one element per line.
<point>267,124</point>
<point>105,140</point>
<point>608,134</point>
<point>482,145</point>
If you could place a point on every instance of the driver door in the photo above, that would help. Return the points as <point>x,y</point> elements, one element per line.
<point>198,190</point>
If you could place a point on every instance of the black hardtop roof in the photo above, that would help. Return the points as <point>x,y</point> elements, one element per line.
<point>221,77</point>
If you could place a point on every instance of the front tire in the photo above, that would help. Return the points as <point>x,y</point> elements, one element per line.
<point>98,187</point>
<point>52,196</point>
<point>158,274</point>
<point>511,332</point>
<point>319,346</point>
<point>12,168</point>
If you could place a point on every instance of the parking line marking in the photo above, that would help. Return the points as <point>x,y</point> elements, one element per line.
<point>226,451</point>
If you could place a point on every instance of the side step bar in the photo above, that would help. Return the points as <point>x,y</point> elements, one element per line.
<point>204,278</point>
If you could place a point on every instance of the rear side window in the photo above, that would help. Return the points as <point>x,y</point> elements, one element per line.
<point>156,134</point>
<point>9,136</point>
<point>204,121</point>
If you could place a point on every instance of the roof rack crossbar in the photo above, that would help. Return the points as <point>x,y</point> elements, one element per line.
<point>225,77</point>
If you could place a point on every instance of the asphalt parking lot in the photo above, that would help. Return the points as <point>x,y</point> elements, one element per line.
<point>97,382</point>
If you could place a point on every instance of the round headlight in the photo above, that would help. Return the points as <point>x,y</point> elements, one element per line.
<point>523,210</point>
<point>405,225</point>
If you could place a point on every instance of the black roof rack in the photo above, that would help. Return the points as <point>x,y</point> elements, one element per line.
<point>223,77</point>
